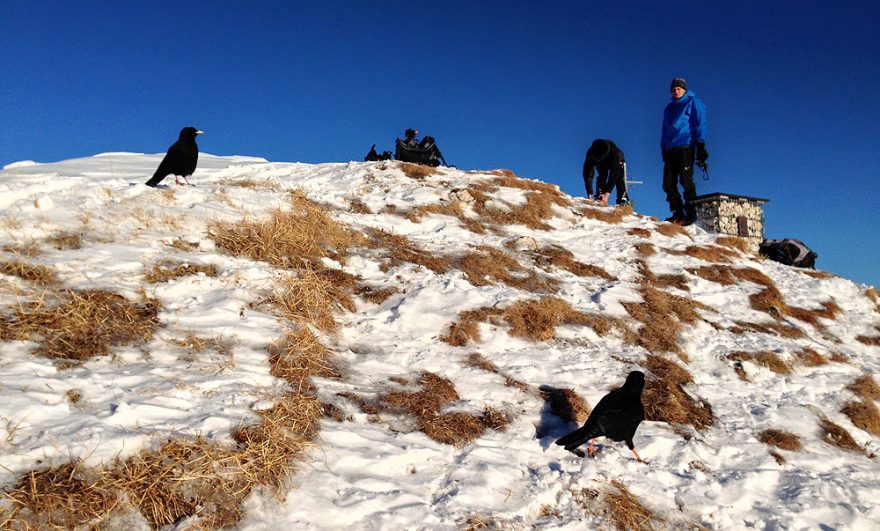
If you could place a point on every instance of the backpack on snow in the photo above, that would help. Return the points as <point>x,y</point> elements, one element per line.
<point>789,252</point>
<point>426,153</point>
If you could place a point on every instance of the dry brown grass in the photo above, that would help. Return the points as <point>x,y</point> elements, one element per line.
<point>467,328</point>
<point>781,439</point>
<point>312,297</point>
<point>373,294</point>
<point>177,480</point>
<point>533,213</point>
<point>810,357</point>
<point>182,245</point>
<point>357,206</point>
<point>298,356</point>
<point>416,171</point>
<point>639,232</point>
<point>863,415</point>
<point>818,274</point>
<point>557,256</point>
<point>645,249</point>
<point>508,179</point>
<point>665,399</point>
<point>871,341</point>
<point>662,316</point>
<point>479,362</point>
<point>401,250</point>
<point>79,325</point>
<point>836,435</point>
<point>866,388</point>
<point>626,511</point>
<point>37,274</point>
<point>538,319</point>
<point>290,239</point>
<point>425,405</point>
<point>671,230</point>
<point>711,253</point>
<point>168,270</point>
<point>612,215</point>
<point>734,242</point>
<point>764,358</point>
<point>488,265</point>
<point>872,295</point>
<point>66,240</point>
<point>251,183</point>
<point>789,332</point>
<point>566,404</point>
<point>201,344</point>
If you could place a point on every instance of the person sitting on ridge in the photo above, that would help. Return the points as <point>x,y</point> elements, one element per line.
<point>608,161</point>
<point>409,137</point>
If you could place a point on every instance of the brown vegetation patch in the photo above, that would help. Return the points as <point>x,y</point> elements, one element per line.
<point>538,319</point>
<point>665,399</point>
<point>165,271</point>
<point>872,295</point>
<point>871,341</point>
<point>537,208</point>
<point>311,297</point>
<point>182,245</point>
<point>66,240</point>
<point>298,356</point>
<point>661,281</point>
<point>252,184</point>
<point>508,179</point>
<point>764,358</point>
<point>662,316</point>
<point>810,357</point>
<point>357,206</point>
<point>79,325</point>
<point>38,274</point>
<point>566,404</point>
<point>671,230</point>
<point>836,435</point>
<point>613,215</point>
<point>556,256</point>
<point>818,274</point>
<point>416,171</point>
<point>289,239</point>
<point>467,328</point>
<point>453,428</point>
<point>626,511</point>
<point>711,253</point>
<point>780,439</point>
<point>401,251</point>
<point>863,415</point>
<point>639,232</point>
<point>789,332</point>
<point>734,242</point>
<point>719,274</point>
<point>373,294</point>
<point>480,362</point>
<point>488,265</point>
<point>865,387</point>
<point>645,249</point>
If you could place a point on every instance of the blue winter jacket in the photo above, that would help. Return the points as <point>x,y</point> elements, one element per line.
<point>684,122</point>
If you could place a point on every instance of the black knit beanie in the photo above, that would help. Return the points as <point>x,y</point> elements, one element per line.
<point>679,82</point>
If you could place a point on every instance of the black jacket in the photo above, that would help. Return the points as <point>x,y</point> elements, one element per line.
<point>605,158</point>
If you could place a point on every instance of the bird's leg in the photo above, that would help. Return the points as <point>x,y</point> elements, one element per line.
<point>637,456</point>
<point>187,180</point>
<point>177,179</point>
<point>590,450</point>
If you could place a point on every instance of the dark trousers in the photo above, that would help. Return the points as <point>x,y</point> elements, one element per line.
<point>611,179</point>
<point>679,167</point>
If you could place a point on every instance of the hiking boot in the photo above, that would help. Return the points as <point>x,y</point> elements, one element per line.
<point>684,222</point>
<point>672,219</point>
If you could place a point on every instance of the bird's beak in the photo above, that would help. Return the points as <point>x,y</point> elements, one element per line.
<point>200,132</point>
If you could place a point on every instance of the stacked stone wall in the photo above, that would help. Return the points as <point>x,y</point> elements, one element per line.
<point>720,214</point>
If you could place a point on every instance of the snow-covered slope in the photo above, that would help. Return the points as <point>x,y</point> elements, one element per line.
<point>374,469</point>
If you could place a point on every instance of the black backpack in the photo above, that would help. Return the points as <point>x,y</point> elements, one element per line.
<point>789,252</point>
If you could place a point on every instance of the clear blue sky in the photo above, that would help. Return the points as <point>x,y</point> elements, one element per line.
<point>792,91</point>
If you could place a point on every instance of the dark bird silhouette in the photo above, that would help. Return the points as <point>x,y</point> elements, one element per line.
<point>181,158</point>
<point>616,416</point>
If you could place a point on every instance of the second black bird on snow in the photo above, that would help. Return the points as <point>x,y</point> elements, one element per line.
<point>616,416</point>
<point>181,158</point>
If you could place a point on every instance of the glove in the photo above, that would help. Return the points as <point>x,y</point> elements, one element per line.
<point>702,154</point>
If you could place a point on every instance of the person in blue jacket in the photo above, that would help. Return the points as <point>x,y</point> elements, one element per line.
<point>683,140</point>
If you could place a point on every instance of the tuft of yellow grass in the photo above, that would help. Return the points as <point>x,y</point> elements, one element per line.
<point>416,171</point>
<point>612,216</point>
<point>639,232</point>
<point>78,325</point>
<point>671,230</point>
<point>781,439</point>
<point>711,253</point>
<point>566,404</point>
<point>401,251</point>
<point>37,274</point>
<point>764,358</point>
<point>310,297</point>
<point>626,511</point>
<point>66,240</point>
<point>866,388</point>
<point>487,265</point>
<point>836,435</point>
<point>810,357</point>
<point>557,256</point>
<point>863,415</point>
<point>169,270</point>
<point>734,242</point>
<point>664,397</point>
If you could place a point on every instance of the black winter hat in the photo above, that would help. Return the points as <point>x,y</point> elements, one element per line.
<point>678,82</point>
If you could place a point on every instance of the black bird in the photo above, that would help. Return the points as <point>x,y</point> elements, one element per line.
<point>181,158</point>
<point>616,416</point>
